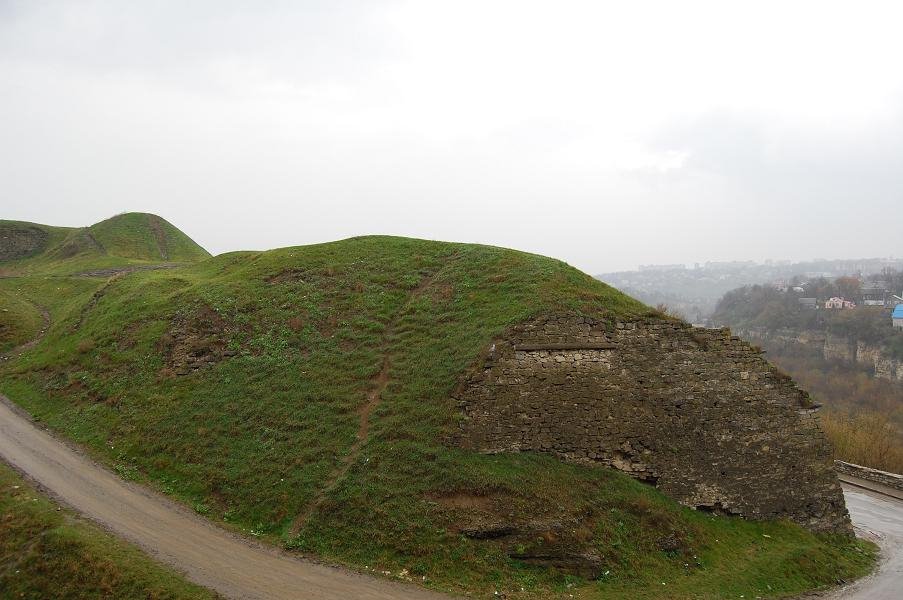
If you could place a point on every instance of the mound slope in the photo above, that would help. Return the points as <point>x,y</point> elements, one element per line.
<point>124,239</point>
<point>311,396</point>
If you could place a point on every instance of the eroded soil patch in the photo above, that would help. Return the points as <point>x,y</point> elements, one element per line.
<point>195,341</point>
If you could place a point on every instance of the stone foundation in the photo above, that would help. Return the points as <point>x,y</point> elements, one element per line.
<point>697,413</point>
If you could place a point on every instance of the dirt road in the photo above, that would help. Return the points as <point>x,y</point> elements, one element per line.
<point>210,556</point>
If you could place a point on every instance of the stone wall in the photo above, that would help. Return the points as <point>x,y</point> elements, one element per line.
<point>891,480</point>
<point>698,413</point>
<point>19,242</point>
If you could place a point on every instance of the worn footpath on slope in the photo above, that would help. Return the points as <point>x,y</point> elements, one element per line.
<point>209,556</point>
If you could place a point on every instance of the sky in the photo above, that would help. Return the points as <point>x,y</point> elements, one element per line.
<point>606,134</point>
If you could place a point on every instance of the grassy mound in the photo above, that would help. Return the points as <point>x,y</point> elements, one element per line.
<point>126,239</point>
<point>46,553</point>
<point>20,321</point>
<point>303,395</point>
<point>146,237</point>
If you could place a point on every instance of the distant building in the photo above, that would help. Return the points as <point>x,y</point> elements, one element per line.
<point>897,316</point>
<point>810,303</point>
<point>874,293</point>
<point>654,268</point>
<point>839,303</point>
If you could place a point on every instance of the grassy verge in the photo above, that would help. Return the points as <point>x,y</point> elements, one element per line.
<point>49,553</point>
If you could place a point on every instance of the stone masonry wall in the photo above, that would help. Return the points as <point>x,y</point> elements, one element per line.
<point>698,413</point>
<point>19,242</point>
<point>891,480</point>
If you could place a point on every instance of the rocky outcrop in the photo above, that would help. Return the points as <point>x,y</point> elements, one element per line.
<point>838,347</point>
<point>20,242</point>
<point>884,366</point>
<point>833,347</point>
<point>697,413</point>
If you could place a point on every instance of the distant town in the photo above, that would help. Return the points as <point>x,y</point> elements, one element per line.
<point>693,291</point>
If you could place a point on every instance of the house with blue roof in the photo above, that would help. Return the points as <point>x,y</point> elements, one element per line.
<point>897,316</point>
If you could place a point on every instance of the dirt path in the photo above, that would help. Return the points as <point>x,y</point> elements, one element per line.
<point>113,271</point>
<point>159,235</point>
<point>112,275</point>
<point>378,383</point>
<point>209,556</point>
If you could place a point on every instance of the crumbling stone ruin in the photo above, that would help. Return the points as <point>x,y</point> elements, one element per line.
<point>20,242</point>
<point>698,413</point>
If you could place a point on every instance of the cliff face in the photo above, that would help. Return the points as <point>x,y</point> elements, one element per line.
<point>698,413</point>
<point>835,347</point>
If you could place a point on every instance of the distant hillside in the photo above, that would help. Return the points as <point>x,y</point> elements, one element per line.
<point>130,238</point>
<point>766,311</point>
<point>850,360</point>
<point>694,292</point>
<point>312,397</point>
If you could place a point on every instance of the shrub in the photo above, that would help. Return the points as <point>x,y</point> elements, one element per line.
<point>869,439</point>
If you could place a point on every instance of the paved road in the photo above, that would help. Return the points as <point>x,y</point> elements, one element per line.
<point>880,518</point>
<point>212,557</point>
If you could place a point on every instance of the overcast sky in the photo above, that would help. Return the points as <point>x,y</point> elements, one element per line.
<point>604,134</point>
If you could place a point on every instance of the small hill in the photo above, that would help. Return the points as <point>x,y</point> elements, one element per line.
<point>146,237</point>
<point>310,396</point>
<point>130,238</point>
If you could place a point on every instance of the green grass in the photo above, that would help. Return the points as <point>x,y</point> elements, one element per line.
<point>123,240</point>
<point>139,236</point>
<point>48,553</point>
<point>253,440</point>
<point>20,320</point>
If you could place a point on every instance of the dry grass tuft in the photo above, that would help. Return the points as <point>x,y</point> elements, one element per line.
<point>869,439</point>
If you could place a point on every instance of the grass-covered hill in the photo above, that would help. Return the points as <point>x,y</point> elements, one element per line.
<point>303,396</point>
<point>126,239</point>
